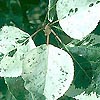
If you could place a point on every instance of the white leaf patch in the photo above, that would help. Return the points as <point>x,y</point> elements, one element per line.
<point>12,50</point>
<point>81,17</point>
<point>48,72</point>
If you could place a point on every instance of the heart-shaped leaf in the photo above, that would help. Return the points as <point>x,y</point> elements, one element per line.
<point>48,72</point>
<point>80,17</point>
<point>13,46</point>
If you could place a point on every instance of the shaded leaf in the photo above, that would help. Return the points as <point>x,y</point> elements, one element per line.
<point>73,91</point>
<point>92,40</point>
<point>84,96</point>
<point>16,87</point>
<point>66,98</point>
<point>83,72</point>
<point>95,85</point>
<point>92,54</point>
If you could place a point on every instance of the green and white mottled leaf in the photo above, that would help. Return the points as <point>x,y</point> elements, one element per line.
<point>80,17</point>
<point>48,72</point>
<point>13,46</point>
<point>84,96</point>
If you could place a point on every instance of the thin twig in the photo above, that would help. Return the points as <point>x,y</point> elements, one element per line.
<point>45,19</point>
<point>47,39</point>
<point>33,34</point>
<point>57,21</point>
<point>58,28</point>
<point>56,36</point>
<point>36,32</point>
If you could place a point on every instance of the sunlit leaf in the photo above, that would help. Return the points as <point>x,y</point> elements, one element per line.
<point>79,17</point>
<point>48,72</point>
<point>12,52</point>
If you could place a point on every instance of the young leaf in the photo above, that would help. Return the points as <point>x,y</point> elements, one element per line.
<point>48,72</point>
<point>12,52</point>
<point>80,17</point>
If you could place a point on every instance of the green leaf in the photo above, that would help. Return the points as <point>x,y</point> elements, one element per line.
<point>92,40</point>
<point>73,91</point>
<point>92,54</point>
<point>16,87</point>
<point>83,72</point>
<point>48,72</point>
<point>79,17</point>
<point>84,96</point>
<point>66,98</point>
<point>95,85</point>
<point>12,52</point>
<point>1,56</point>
